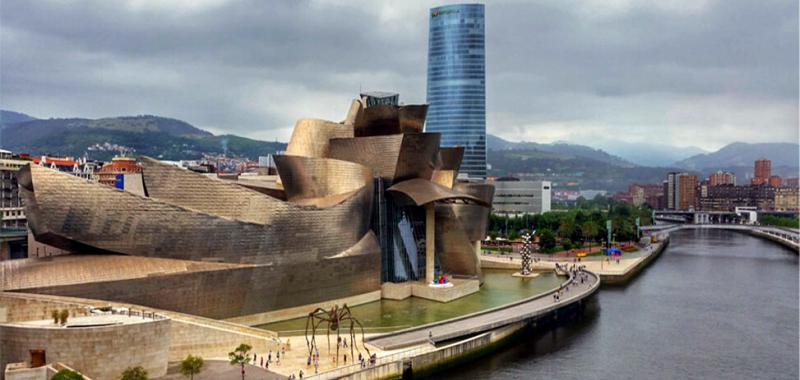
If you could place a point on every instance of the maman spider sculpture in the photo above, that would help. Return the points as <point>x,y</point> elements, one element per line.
<point>335,317</point>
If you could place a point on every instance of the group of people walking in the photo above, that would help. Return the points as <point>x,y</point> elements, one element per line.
<point>579,276</point>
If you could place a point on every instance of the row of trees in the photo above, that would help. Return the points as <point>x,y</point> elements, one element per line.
<point>190,366</point>
<point>584,223</point>
<point>769,220</point>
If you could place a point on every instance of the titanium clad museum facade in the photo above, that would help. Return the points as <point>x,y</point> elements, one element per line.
<point>457,82</point>
<point>348,211</point>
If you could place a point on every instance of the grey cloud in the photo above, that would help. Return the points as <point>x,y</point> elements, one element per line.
<point>238,66</point>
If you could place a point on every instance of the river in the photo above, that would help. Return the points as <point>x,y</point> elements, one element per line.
<point>715,305</point>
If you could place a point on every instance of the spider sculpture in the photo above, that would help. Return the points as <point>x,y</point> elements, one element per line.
<point>335,317</point>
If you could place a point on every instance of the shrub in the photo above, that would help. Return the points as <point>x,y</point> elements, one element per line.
<point>134,373</point>
<point>66,374</point>
<point>63,316</point>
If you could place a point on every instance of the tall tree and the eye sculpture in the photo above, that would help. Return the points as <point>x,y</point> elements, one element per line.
<point>335,318</point>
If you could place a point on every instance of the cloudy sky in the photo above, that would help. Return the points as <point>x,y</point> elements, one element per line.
<point>681,72</point>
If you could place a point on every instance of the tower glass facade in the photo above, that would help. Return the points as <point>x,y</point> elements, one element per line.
<point>457,82</point>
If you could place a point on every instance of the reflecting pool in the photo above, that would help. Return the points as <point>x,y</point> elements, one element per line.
<point>499,288</point>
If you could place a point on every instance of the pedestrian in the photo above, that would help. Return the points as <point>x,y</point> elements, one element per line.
<point>269,356</point>
<point>254,357</point>
<point>262,361</point>
<point>301,373</point>
<point>345,359</point>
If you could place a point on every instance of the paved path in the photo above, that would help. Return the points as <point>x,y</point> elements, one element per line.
<point>222,370</point>
<point>571,291</point>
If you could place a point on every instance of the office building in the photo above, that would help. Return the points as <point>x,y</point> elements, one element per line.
<point>680,190</point>
<point>457,82</point>
<point>722,178</point>
<point>763,170</point>
<point>515,197</point>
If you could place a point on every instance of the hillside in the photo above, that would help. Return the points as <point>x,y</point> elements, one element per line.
<point>570,172</point>
<point>563,150</point>
<point>650,154</point>
<point>11,117</point>
<point>155,136</point>
<point>743,155</point>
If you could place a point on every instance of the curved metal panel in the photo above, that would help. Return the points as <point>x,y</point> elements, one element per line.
<point>422,192</point>
<point>451,158</point>
<point>381,120</point>
<point>356,107</point>
<point>377,152</point>
<point>456,251</point>
<point>310,137</point>
<point>311,177</point>
<point>445,178</point>
<point>412,118</point>
<point>419,155</point>
<point>67,210</point>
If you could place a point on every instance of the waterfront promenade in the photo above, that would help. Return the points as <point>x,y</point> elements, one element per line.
<point>571,291</point>
<point>610,271</point>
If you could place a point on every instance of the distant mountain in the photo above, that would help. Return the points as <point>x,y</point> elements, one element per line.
<point>155,136</point>
<point>570,171</point>
<point>743,155</point>
<point>651,154</point>
<point>11,117</point>
<point>562,149</point>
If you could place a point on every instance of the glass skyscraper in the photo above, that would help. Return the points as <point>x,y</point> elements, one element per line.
<point>457,82</point>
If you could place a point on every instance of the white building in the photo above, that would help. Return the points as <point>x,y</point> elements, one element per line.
<point>515,197</point>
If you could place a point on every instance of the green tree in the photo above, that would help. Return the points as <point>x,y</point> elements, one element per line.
<point>590,230</point>
<point>546,239</point>
<point>55,314</point>
<point>565,230</point>
<point>66,374</point>
<point>134,373</point>
<point>191,366</point>
<point>63,316</point>
<point>240,356</point>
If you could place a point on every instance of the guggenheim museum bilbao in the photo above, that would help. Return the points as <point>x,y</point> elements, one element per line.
<point>359,203</point>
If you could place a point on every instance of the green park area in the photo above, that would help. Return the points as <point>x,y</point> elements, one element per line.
<point>575,227</point>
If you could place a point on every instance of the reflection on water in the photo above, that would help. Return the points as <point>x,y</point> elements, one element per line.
<point>386,315</point>
<point>716,304</point>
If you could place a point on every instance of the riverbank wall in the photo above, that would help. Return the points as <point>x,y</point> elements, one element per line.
<point>623,278</point>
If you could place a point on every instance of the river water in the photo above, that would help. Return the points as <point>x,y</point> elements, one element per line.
<point>715,305</point>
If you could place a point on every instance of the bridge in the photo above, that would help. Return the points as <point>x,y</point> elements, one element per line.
<point>738,216</point>
<point>789,237</point>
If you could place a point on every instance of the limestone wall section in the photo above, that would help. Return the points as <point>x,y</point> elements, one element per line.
<point>101,352</point>
<point>187,334</point>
